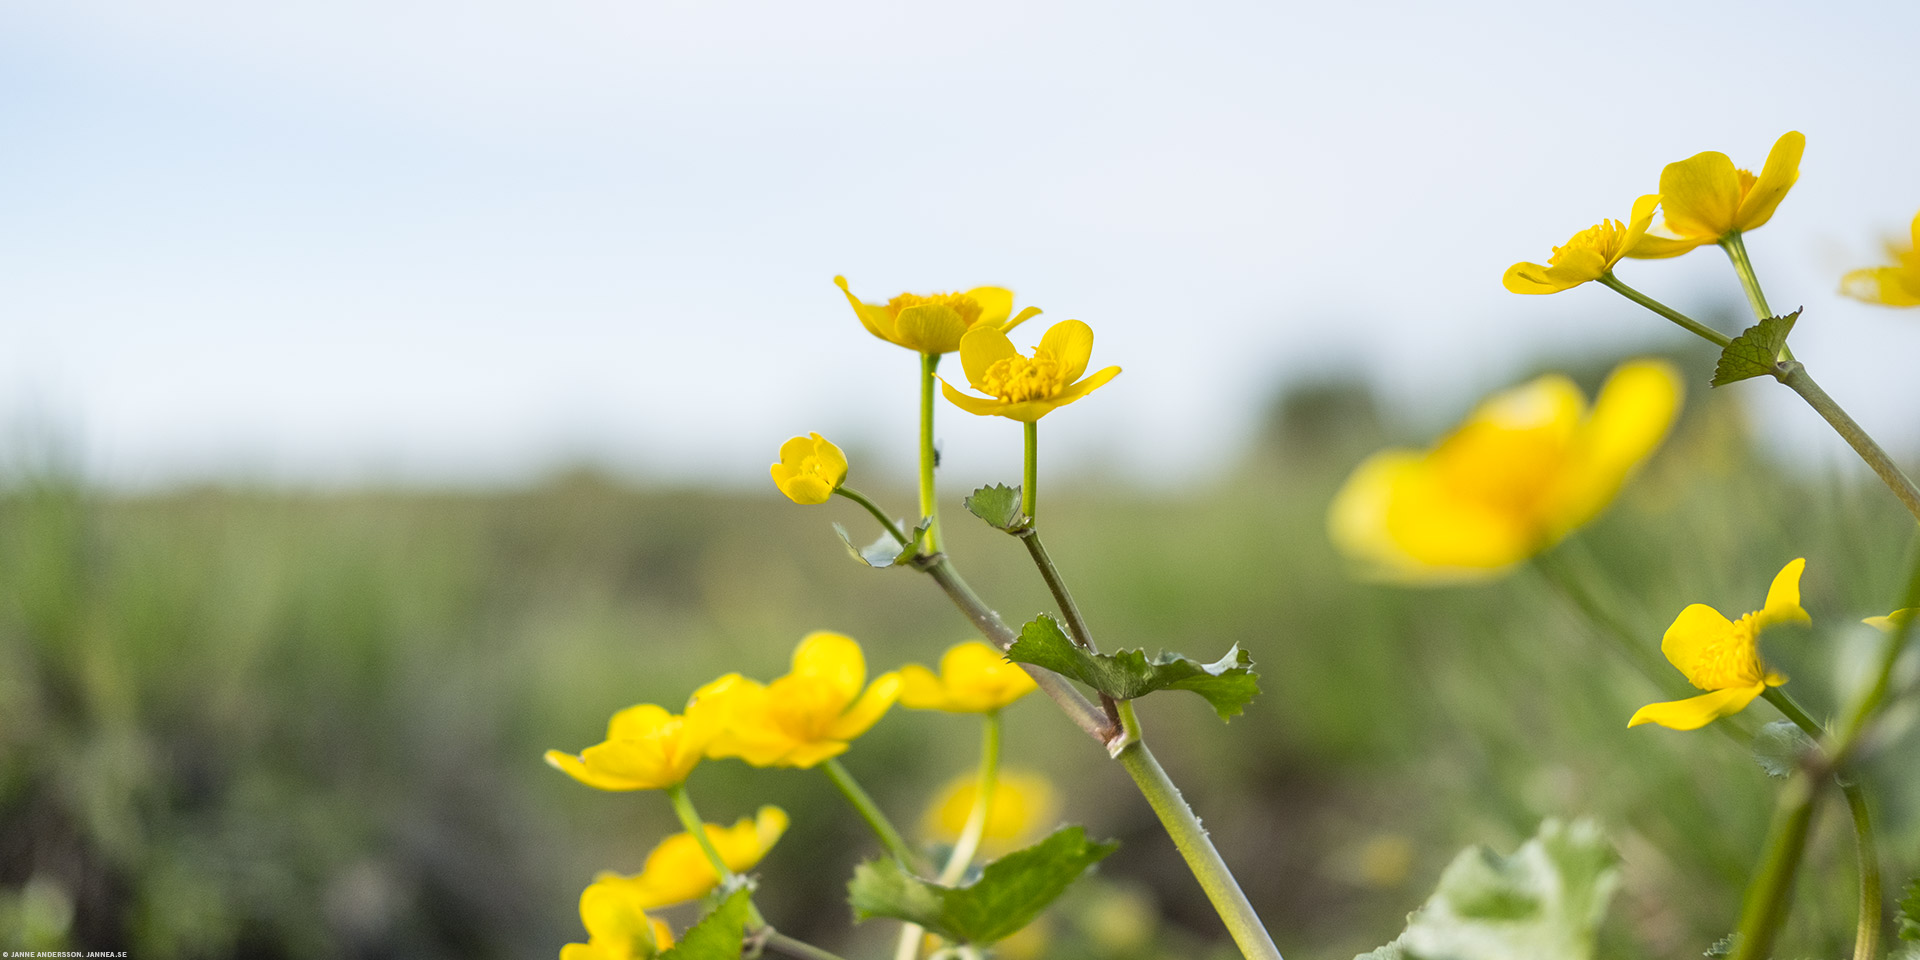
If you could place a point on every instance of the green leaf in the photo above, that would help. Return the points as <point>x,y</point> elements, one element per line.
<point>998,505</point>
<point>1906,917</point>
<point>719,935</point>
<point>1009,894</point>
<point>1544,902</point>
<point>1754,352</point>
<point>1779,746</point>
<point>1722,948</point>
<point>1229,683</point>
<point>886,551</point>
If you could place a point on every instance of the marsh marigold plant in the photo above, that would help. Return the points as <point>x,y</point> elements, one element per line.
<point>1894,286</point>
<point>1529,465</point>
<point>1722,656</point>
<point>807,716</point>
<point>1706,199</point>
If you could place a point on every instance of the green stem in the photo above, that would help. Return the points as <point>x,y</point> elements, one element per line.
<point>1736,248</point>
<point>929,504</point>
<point>876,819</point>
<point>1076,621</point>
<point>1861,712</point>
<point>1866,937</point>
<point>971,833</point>
<point>1691,325</point>
<point>1555,568</point>
<point>1030,476</point>
<point>697,828</point>
<point>984,783</point>
<point>1083,713</point>
<point>1772,888</point>
<point>773,941</point>
<point>893,529</point>
<point>1866,941</point>
<point>1795,376</point>
<point>1194,844</point>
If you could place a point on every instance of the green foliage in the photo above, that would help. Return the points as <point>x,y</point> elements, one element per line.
<point>1544,902</point>
<point>1229,683</point>
<point>1755,351</point>
<point>1008,895</point>
<point>718,935</point>
<point>886,551</point>
<point>1907,917</point>
<point>1722,948</point>
<point>1779,746</point>
<point>998,505</point>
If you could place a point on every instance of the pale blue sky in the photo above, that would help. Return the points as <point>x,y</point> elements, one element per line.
<point>333,242</point>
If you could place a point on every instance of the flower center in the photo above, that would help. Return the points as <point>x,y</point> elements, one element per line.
<point>1016,379</point>
<point>815,466</point>
<point>803,708</point>
<point>1747,180</point>
<point>967,307</point>
<point>1733,660</point>
<point>1604,238</point>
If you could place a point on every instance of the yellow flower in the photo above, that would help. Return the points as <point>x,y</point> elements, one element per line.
<point>807,716</point>
<point>1706,198</point>
<point>617,929</point>
<point>973,678</point>
<point>935,322</point>
<point>810,469</point>
<point>1723,657</point>
<point>1026,388</point>
<point>677,870</point>
<point>1024,806</point>
<point>1528,466</point>
<point>646,748</point>
<point>1891,621</point>
<point>1897,286</point>
<point>1590,255</point>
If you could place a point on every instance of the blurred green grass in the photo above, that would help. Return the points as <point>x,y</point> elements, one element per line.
<point>262,723</point>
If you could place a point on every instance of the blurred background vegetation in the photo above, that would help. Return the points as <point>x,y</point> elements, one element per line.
<point>244,722</point>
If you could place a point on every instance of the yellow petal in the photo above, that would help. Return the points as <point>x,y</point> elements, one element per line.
<point>1652,246</point>
<point>1637,223</point>
<point>806,756</point>
<point>1071,343</point>
<point>978,678</point>
<point>1889,286</point>
<point>1357,517</point>
<point>1701,195</point>
<point>874,317</point>
<point>1776,178</point>
<point>920,689</point>
<point>867,710</point>
<point>832,659</point>
<point>979,406</point>
<point>1025,315</point>
<point>574,767</point>
<point>1783,597</point>
<point>996,303</point>
<point>1084,387</point>
<point>1633,413</point>
<point>930,327</point>
<point>1696,712</point>
<point>1535,278</point>
<point>638,721</point>
<point>1891,621</point>
<point>1696,628</point>
<point>981,348</point>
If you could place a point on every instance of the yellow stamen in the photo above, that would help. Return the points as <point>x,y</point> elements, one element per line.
<point>1017,379</point>
<point>1732,660</point>
<point>967,307</point>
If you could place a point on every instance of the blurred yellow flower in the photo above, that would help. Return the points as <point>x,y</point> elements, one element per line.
<point>935,322</point>
<point>1024,806</point>
<point>1529,465</point>
<point>677,870</point>
<point>807,716</point>
<point>1723,657</point>
<point>617,929</point>
<point>1590,255</point>
<point>1895,286</point>
<point>1026,388</point>
<point>646,748</point>
<point>974,678</point>
<point>1892,620</point>
<point>1706,198</point>
<point>810,469</point>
